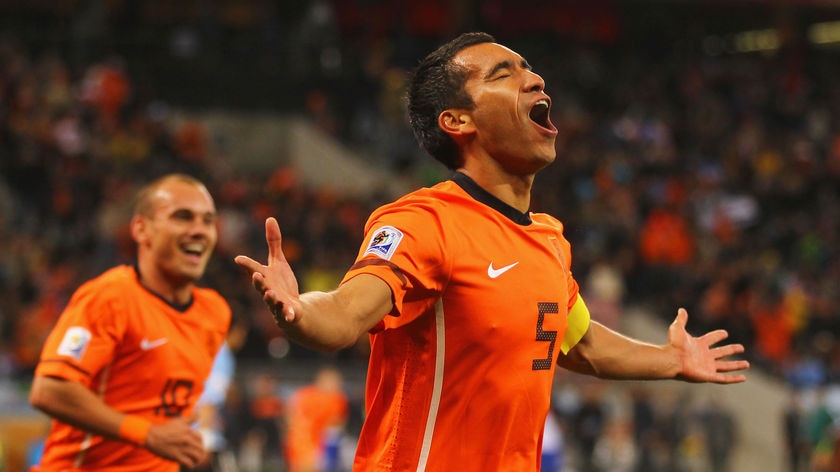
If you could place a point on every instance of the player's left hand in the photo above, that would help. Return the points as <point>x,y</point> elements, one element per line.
<point>701,362</point>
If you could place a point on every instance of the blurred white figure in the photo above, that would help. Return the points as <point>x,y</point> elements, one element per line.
<point>553,445</point>
<point>604,289</point>
<point>615,450</point>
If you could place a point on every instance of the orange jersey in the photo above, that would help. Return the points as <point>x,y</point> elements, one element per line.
<point>461,372</point>
<point>140,354</point>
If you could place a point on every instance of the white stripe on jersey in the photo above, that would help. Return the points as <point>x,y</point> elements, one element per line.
<point>440,354</point>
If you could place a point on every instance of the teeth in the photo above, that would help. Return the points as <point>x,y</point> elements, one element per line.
<point>542,103</point>
<point>193,247</point>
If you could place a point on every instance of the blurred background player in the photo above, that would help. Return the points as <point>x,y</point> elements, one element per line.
<point>210,424</point>
<point>316,416</point>
<point>122,370</point>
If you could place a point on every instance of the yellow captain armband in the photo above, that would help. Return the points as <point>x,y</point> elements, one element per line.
<point>576,325</point>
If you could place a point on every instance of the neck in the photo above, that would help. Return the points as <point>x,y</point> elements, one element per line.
<point>158,284</point>
<point>515,190</point>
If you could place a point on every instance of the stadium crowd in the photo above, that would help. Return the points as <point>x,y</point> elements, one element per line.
<point>683,178</point>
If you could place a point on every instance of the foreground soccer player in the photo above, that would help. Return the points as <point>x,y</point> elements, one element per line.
<point>121,371</point>
<point>468,297</point>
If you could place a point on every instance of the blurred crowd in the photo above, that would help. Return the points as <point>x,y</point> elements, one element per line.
<point>684,178</point>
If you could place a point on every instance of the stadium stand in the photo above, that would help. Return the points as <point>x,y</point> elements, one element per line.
<point>716,122</point>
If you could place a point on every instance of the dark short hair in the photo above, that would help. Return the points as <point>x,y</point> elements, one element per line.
<point>437,84</point>
<point>143,200</point>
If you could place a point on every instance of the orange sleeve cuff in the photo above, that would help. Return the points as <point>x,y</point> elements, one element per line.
<point>134,429</point>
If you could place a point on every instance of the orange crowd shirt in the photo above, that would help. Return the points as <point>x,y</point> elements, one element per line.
<point>137,352</point>
<point>312,413</point>
<point>460,371</point>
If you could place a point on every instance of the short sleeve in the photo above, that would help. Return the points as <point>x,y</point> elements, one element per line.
<point>404,245</point>
<point>84,338</point>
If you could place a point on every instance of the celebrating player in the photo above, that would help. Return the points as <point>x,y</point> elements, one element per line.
<point>469,298</point>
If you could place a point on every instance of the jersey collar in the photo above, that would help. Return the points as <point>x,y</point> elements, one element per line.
<point>485,197</point>
<point>181,308</point>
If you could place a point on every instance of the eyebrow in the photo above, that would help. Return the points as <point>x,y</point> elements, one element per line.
<point>193,212</point>
<point>506,65</point>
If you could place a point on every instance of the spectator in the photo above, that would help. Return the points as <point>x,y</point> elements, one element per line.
<point>267,410</point>
<point>615,450</point>
<point>721,434</point>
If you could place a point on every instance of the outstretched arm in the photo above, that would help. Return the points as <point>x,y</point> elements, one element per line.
<point>325,321</point>
<point>605,353</point>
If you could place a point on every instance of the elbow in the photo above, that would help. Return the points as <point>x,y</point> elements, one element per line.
<point>583,368</point>
<point>577,360</point>
<point>36,399</point>
<point>39,395</point>
<point>48,394</point>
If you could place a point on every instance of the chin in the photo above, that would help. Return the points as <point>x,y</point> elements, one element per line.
<point>548,158</point>
<point>193,274</point>
<point>541,162</point>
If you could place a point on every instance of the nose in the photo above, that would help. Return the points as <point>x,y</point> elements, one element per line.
<point>201,227</point>
<point>534,82</point>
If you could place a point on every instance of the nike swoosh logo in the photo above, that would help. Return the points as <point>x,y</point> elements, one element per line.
<point>146,345</point>
<point>493,273</point>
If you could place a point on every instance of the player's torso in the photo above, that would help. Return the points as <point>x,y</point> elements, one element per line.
<point>504,314</point>
<point>160,358</point>
<point>163,357</point>
<point>507,285</point>
<point>473,374</point>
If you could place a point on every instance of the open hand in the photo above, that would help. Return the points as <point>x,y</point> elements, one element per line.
<point>275,281</point>
<point>700,361</point>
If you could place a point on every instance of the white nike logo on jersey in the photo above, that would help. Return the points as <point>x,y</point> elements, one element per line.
<point>146,345</point>
<point>493,273</point>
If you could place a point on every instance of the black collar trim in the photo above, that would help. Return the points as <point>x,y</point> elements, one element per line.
<point>180,308</point>
<point>485,197</point>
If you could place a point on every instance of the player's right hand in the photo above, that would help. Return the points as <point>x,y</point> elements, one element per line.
<point>177,441</point>
<point>275,281</point>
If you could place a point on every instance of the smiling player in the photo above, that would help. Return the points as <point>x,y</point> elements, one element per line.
<point>122,369</point>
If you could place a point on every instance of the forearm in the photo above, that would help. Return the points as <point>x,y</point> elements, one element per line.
<point>75,405</point>
<point>329,321</point>
<point>72,403</point>
<point>322,323</point>
<point>620,357</point>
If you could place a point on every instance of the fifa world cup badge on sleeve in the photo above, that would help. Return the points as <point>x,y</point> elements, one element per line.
<point>384,242</point>
<point>74,343</point>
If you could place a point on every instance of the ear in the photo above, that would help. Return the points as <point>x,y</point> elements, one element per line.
<point>456,122</point>
<point>139,229</point>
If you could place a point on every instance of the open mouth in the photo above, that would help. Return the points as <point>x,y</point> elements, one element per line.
<point>539,113</point>
<point>193,249</point>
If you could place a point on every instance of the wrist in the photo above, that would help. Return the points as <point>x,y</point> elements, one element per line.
<point>673,368</point>
<point>134,429</point>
